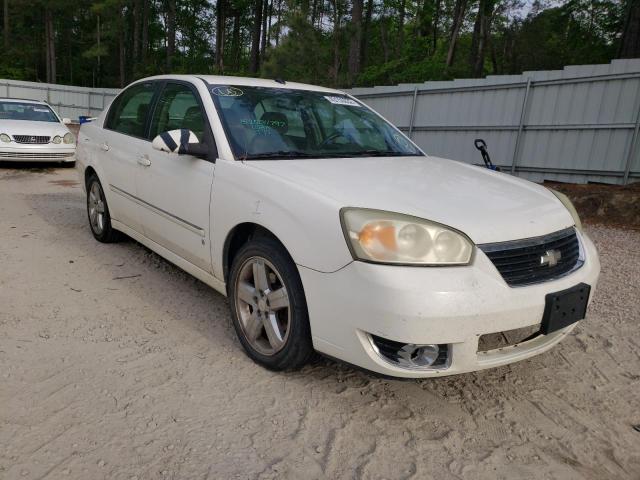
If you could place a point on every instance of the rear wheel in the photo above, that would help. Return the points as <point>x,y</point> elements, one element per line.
<point>268,306</point>
<point>98,212</point>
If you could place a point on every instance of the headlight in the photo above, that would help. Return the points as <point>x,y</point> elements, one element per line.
<point>5,138</point>
<point>68,138</point>
<point>57,139</point>
<point>569,206</point>
<point>387,237</point>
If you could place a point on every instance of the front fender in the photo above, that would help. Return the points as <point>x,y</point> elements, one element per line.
<point>306,222</point>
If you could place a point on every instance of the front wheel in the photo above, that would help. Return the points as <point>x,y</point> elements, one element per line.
<point>268,306</point>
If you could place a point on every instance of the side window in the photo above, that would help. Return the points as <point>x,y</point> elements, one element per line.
<point>128,115</point>
<point>177,108</point>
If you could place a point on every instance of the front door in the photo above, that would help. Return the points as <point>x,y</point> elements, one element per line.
<point>175,190</point>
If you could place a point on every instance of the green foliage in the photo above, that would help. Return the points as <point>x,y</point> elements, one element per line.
<point>109,42</point>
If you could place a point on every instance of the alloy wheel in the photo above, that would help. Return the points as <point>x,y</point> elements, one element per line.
<point>263,306</point>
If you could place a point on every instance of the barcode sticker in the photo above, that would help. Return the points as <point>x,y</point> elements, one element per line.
<point>342,101</point>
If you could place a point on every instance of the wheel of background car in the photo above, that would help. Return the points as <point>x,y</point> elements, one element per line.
<point>268,306</point>
<point>98,212</point>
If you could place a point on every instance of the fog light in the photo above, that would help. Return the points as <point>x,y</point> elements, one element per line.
<point>411,355</point>
<point>418,355</point>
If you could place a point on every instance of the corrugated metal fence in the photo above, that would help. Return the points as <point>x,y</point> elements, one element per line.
<point>69,101</point>
<point>574,125</point>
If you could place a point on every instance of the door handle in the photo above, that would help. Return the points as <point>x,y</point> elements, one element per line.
<point>144,160</point>
<point>105,146</point>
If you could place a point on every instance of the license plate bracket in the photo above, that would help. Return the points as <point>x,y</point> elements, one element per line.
<point>564,308</point>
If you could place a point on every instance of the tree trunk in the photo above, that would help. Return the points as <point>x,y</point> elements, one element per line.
<point>5,31</point>
<point>480,37</point>
<point>50,46</point>
<point>145,32</point>
<point>630,42</point>
<point>235,41</point>
<point>436,21</point>
<point>270,15</point>
<point>99,40</point>
<point>355,44</point>
<point>337,21</point>
<point>254,63</point>
<point>384,37</point>
<point>121,50</point>
<point>365,33</point>
<point>171,33</point>
<point>265,15</point>
<point>400,38</point>
<point>458,18</point>
<point>47,51</point>
<point>221,13</point>
<point>137,10</point>
<point>278,22</point>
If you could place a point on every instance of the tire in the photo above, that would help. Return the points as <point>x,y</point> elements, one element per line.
<point>275,336</point>
<point>98,212</point>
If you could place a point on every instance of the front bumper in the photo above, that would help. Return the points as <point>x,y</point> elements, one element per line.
<point>50,152</point>
<point>427,305</point>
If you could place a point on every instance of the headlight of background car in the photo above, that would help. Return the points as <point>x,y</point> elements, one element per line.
<point>5,138</point>
<point>387,237</point>
<point>569,206</point>
<point>69,138</point>
<point>57,139</point>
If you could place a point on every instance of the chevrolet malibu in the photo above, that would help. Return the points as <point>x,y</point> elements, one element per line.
<point>31,131</point>
<point>330,231</point>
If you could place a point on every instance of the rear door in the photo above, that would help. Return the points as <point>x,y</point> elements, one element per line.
<point>175,190</point>
<point>120,150</point>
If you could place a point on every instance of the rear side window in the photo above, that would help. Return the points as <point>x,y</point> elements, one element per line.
<point>129,113</point>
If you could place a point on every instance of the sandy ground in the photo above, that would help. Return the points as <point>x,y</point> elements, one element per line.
<point>115,364</point>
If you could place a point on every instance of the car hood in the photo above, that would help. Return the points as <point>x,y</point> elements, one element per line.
<point>488,206</point>
<point>26,127</point>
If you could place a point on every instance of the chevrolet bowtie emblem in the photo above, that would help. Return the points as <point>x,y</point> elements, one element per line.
<point>550,258</point>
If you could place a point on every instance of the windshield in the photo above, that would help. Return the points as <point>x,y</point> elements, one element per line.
<point>272,123</point>
<point>26,111</point>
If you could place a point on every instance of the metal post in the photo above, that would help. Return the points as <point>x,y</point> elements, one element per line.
<point>632,147</point>
<point>89,104</point>
<point>48,94</point>
<point>413,112</point>
<point>523,112</point>
<point>8,94</point>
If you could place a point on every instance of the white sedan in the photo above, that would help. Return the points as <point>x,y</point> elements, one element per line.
<point>331,232</point>
<point>30,131</point>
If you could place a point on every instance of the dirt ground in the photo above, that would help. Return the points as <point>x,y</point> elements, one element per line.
<point>115,364</point>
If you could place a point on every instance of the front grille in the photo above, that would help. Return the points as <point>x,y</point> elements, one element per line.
<point>37,139</point>
<point>494,341</point>
<point>535,260</point>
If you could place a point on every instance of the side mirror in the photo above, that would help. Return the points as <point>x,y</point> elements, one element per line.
<point>66,121</point>
<point>182,142</point>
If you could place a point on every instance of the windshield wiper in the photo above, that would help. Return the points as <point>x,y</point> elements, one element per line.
<point>300,154</point>
<point>281,154</point>
<point>387,153</point>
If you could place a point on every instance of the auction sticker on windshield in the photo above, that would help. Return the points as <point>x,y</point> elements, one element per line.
<point>342,101</point>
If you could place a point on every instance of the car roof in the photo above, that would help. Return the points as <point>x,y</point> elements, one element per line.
<point>245,81</point>
<point>23,100</point>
